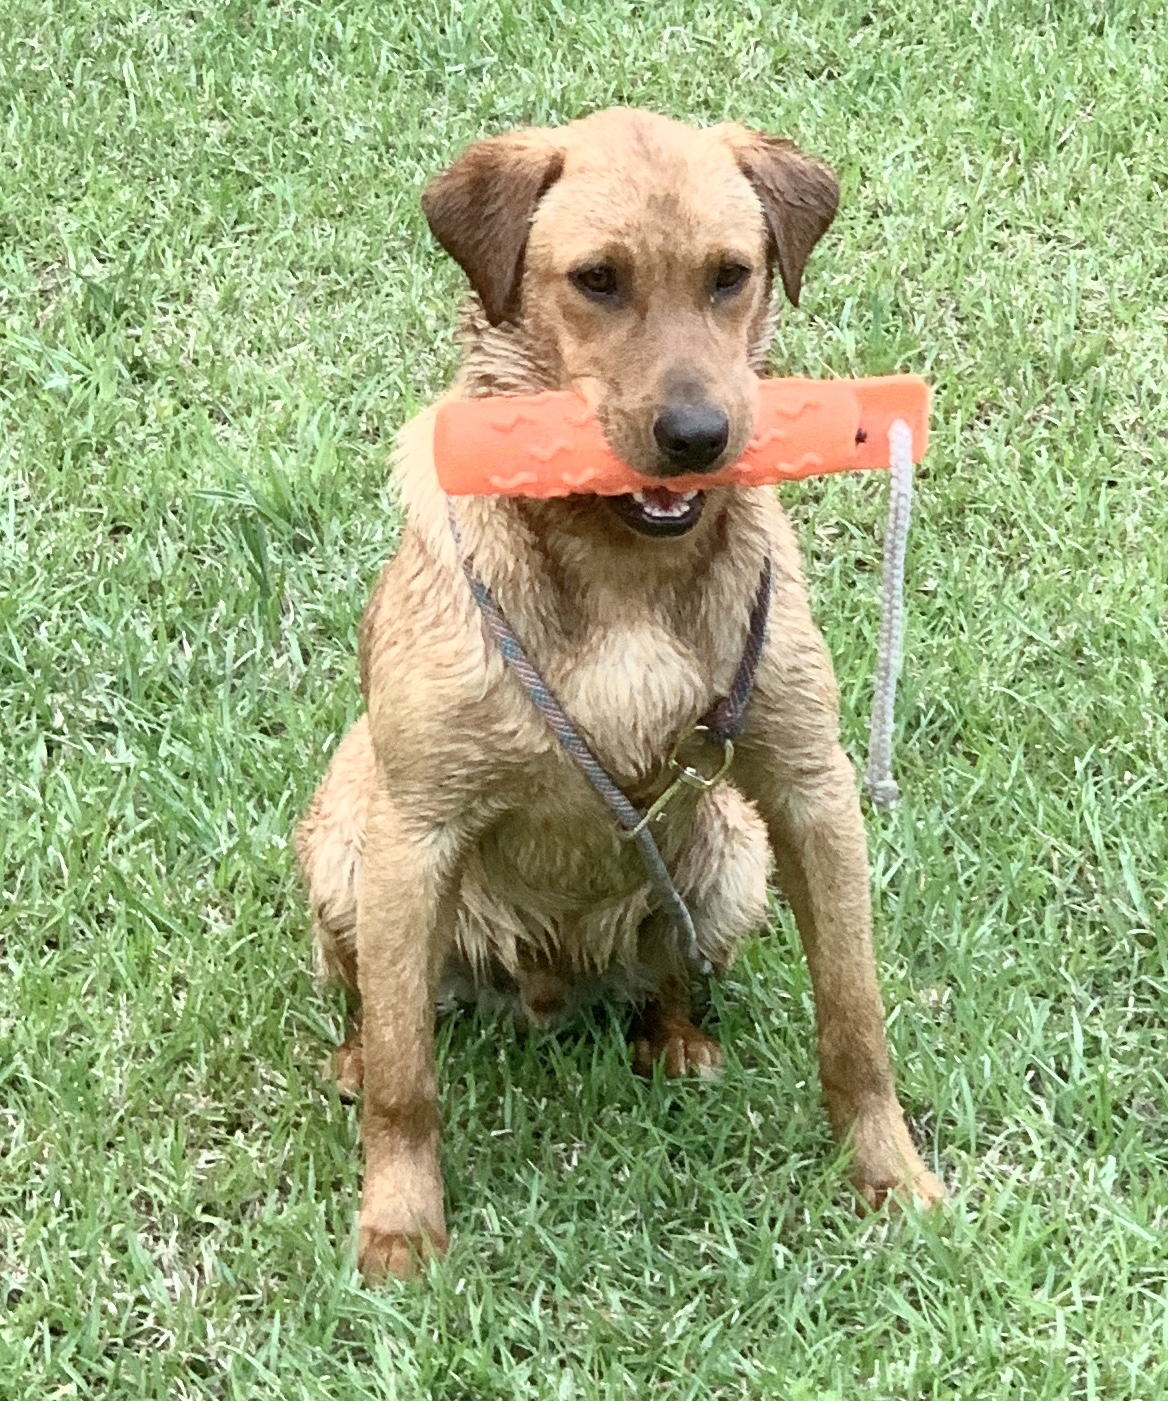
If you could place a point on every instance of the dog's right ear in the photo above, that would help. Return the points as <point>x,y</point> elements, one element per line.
<point>479,209</point>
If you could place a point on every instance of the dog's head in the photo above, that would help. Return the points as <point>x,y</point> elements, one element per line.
<point>636,255</point>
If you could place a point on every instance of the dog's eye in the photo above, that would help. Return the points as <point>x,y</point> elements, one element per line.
<point>597,280</point>
<point>730,277</point>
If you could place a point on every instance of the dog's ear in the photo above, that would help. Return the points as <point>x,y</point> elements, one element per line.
<point>799,197</point>
<point>479,209</point>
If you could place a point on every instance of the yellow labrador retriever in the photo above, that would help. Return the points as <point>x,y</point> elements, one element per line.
<point>454,845</point>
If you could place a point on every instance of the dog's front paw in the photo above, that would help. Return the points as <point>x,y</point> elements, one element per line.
<point>402,1221</point>
<point>921,1189</point>
<point>887,1168</point>
<point>384,1253</point>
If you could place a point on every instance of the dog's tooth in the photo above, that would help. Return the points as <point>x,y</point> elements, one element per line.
<point>639,497</point>
<point>689,495</point>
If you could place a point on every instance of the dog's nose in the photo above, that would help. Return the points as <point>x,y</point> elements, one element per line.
<point>691,436</point>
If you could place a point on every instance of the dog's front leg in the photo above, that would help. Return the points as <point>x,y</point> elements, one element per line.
<point>817,832</point>
<point>405,924</point>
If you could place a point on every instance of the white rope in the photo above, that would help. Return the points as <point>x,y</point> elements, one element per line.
<point>879,782</point>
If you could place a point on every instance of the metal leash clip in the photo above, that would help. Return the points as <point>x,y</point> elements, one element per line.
<point>687,777</point>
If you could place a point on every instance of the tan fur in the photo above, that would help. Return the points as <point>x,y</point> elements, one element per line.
<point>452,843</point>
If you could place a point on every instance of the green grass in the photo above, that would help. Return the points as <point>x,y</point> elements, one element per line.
<point>217,303</point>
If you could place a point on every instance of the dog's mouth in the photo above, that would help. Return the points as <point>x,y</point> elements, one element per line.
<point>659,511</point>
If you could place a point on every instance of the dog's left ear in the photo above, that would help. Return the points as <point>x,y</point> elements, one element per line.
<point>799,197</point>
<point>479,209</point>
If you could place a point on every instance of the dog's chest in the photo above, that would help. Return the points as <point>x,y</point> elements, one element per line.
<point>631,688</point>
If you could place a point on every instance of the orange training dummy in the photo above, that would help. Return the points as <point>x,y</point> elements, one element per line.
<point>552,445</point>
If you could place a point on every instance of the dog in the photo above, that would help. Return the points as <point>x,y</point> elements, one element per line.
<point>453,845</point>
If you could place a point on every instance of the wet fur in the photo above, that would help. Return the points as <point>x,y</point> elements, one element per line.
<point>452,845</point>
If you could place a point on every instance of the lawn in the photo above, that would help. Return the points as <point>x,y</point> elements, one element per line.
<point>218,301</point>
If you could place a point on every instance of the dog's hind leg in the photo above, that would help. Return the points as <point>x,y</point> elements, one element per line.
<point>722,873</point>
<point>663,1031</point>
<point>329,842</point>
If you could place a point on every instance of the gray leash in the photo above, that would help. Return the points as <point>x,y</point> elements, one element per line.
<point>722,723</point>
<point>881,786</point>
